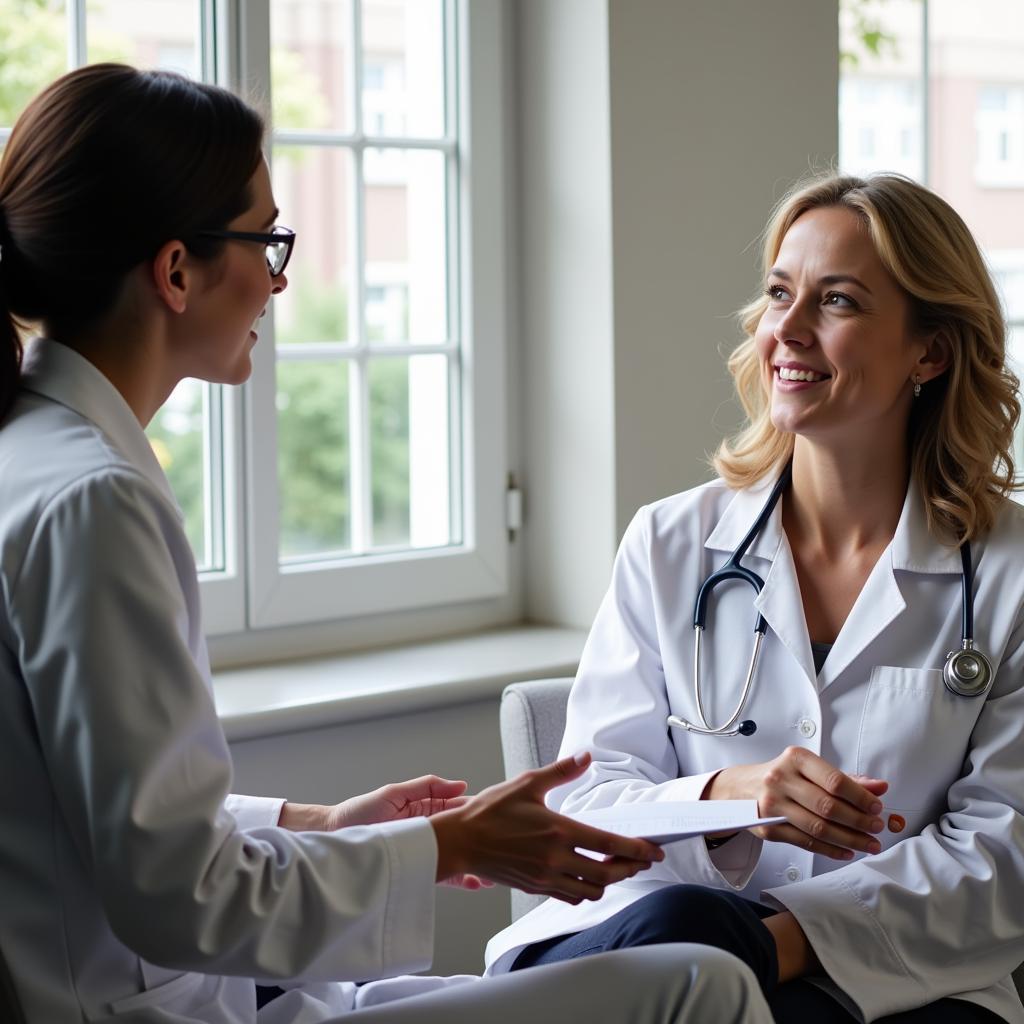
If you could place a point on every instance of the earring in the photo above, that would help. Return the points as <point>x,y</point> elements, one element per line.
<point>917,386</point>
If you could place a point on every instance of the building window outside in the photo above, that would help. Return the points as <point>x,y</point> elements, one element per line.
<point>949,74</point>
<point>352,448</point>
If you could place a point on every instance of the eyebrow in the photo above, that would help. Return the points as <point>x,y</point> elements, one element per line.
<point>827,279</point>
<point>273,217</point>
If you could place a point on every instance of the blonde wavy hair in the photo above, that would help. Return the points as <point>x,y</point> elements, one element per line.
<point>961,429</point>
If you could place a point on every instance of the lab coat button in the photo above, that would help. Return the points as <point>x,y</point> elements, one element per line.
<point>793,873</point>
<point>808,727</point>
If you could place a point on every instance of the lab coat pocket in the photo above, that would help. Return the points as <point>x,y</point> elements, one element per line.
<point>914,735</point>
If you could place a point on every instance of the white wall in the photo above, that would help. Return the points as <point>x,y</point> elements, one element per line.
<point>703,111</point>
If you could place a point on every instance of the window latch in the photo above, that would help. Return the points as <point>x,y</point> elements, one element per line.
<point>513,507</point>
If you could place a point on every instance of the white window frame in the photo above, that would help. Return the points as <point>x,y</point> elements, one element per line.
<point>989,170</point>
<point>253,591</point>
<point>478,567</point>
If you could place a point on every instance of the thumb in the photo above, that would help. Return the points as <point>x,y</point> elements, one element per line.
<point>563,770</point>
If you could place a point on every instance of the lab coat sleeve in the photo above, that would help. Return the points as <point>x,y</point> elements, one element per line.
<point>141,768</point>
<point>942,912</point>
<point>618,709</point>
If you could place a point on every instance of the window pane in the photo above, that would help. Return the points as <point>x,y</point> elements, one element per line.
<point>403,68</point>
<point>880,87</point>
<point>147,33</point>
<point>33,51</point>
<point>179,438</point>
<point>406,293</point>
<point>409,451</point>
<point>313,187</point>
<point>313,453</point>
<point>311,51</point>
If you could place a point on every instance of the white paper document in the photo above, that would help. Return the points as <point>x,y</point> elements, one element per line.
<point>668,822</point>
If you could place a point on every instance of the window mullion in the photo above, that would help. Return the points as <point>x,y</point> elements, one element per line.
<point>77,43</point>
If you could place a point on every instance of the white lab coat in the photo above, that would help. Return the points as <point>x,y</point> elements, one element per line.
<point>134,887</point>
<point>941,910</point>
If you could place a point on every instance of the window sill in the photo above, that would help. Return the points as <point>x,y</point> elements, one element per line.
<point>266,700</point>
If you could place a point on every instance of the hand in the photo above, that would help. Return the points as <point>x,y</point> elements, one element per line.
<point>507,835</point>
<point>417,798</point>
<point>826,810</point>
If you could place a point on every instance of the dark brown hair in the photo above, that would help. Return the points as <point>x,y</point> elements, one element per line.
<point>102,168</point>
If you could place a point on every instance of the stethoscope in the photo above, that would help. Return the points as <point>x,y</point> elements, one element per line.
<point>966,672</point>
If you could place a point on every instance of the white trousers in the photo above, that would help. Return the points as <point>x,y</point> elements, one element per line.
<point>664,984</point>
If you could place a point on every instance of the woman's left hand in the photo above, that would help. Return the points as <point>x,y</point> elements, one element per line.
<point>417,798</point>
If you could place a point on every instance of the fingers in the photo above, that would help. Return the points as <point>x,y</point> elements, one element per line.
<point>838,784</point>
<point>826,816</point>
<point>565,769</point>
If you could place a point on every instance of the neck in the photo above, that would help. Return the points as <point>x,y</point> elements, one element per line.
<point>843,501</point>
<point>132,356</point>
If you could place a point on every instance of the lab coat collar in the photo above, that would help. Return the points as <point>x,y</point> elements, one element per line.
<point>912,549</point>
<point>59,373</point>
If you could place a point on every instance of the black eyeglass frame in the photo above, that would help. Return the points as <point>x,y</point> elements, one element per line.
<point>276,237</point>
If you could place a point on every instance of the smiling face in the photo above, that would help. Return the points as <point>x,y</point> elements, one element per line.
<point>835,344</point>
<point>227,316</point>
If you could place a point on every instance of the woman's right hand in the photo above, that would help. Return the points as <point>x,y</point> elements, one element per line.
<point>507,835</point>
<point>826,810</point>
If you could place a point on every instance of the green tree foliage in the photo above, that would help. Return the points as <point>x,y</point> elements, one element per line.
<point>313,436</point>
<point>872,39</point>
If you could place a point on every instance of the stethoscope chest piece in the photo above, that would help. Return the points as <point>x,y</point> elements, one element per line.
<point>967,672</point>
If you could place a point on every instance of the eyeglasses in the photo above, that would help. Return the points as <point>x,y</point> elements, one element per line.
<point>279,243</point>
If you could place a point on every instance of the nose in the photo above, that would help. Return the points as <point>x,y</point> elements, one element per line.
<point>278,284</point>
<point>794,327</point>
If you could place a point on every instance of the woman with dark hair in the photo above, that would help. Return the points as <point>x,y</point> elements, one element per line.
<point>862,518</point>
<point>137,230</point>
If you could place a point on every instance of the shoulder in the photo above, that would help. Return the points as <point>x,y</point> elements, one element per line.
<point>672,531</point>
<point>1005,541</point>
<point>692,512</point>
<point>59,473</point>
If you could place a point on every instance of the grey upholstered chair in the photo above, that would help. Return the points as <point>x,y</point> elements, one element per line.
<point>532,723</point>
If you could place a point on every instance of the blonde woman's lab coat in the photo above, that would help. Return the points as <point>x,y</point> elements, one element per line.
<point>133,887</point>
<point>940,911</point>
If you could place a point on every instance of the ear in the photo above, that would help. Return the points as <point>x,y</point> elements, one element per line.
<point>173,278</point>
<point>936,358</point>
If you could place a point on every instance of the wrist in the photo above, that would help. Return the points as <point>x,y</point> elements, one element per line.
<point>304,817</point>
<point>449,837</point>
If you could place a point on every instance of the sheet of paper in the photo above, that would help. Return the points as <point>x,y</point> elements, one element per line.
<point>670,821</point>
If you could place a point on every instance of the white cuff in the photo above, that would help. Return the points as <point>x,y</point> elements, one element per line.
<point>254,811</point>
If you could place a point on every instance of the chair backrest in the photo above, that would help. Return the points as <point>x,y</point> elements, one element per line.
<point>532,723</point>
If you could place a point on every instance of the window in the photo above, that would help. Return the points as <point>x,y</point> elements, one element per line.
<point>362,468</point>
<point>960,69</point>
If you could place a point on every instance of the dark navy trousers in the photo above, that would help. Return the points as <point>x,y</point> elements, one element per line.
<point>715,917</point>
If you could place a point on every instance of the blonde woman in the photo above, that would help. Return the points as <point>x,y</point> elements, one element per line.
<point>869,496</point>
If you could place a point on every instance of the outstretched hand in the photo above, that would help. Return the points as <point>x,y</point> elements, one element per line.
<point>417,798</point>
<point>507,834</point>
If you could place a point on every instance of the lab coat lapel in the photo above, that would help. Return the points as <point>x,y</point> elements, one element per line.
<point>912,550</point>
<point>769,556</point>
